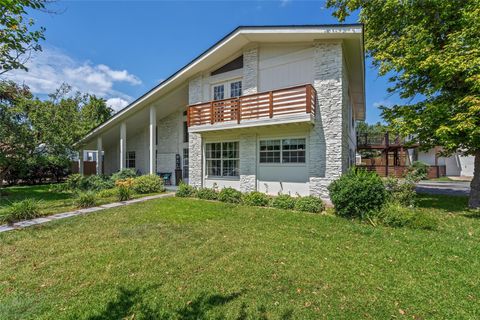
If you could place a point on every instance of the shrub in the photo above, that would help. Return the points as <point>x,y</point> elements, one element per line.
<point>124,193</point>
<point>107,193</point>
<point>123,174</point>
<point>97,183</point>
<point>86,199</point>
<point>310,204</point>
<point>74,181</point>
<point>397,216</point>
<point>207,194</point>
<point>124,188</point>
<point>402,192</point>
<point>256,198</point>
<point>148,184</point>
<point>185,190</point>
<point>417,171</point>
<point>230,195</point>
<point>357,193</point>
<point>284,201</point>
<point>22,210</point>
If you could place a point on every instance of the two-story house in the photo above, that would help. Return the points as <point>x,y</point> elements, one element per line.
<point>270,108</point>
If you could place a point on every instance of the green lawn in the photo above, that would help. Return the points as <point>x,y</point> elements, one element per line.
<point>51,202</point>
<point>191,259</point>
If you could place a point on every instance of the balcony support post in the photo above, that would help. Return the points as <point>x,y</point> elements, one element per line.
<point>211,112</point>
<point>239,110</point>
<point>270,105</point>
<point>309,99</point>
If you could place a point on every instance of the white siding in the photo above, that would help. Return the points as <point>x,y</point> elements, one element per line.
<point>281,67</point>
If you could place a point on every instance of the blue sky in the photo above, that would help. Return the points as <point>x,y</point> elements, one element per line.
<point>121,49</point>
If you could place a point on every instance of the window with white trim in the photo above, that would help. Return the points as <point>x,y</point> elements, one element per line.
<point>282,151</point>
<point>228,89</point>
<point>222,159</point>
<point>235,89</point>
<point>219,92</point>
<point>131,159</point>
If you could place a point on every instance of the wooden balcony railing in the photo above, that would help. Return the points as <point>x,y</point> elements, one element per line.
<point>293,100</point>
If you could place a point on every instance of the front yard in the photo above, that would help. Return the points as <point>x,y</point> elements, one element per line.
<point>50,202</point>
<point>193,259</point>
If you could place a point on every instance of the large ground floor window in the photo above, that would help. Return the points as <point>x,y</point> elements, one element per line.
<point>222,159</point>
<point>282,151</point>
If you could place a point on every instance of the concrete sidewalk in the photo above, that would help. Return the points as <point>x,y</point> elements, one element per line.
<point>41,220</point>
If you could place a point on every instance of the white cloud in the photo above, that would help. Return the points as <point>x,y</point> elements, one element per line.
<point>117,103</point>
<point>52,67</point>
<point>384,103</point>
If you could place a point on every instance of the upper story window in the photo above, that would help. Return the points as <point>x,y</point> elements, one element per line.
<point>235,89</point>
<point>219,92</point>
<point>229,89</point>
<point>282,151</point>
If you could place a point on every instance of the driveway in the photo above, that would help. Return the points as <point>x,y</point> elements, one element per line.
<point>447,188</point>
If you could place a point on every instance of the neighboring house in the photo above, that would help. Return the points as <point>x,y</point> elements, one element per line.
<point>266,108</point>
<point>455,166</point>
<point>88,155</point>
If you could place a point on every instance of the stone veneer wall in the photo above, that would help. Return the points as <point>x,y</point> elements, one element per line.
<point>326,136</point>
<point>250,70</point>
<point>248,162</point>
<point>195,170</point>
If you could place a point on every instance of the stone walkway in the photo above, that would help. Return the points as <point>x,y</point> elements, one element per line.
<point>28,223</point>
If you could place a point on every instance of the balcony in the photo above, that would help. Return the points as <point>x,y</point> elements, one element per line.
<point>293,104</point>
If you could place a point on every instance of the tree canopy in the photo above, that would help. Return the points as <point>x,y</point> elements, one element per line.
<point>430,50</point>
<point>37,136</point>
<point>18,38</point>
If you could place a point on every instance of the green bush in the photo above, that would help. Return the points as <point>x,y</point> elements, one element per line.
<point>123,174</point>
<point>86,199</point>
<point>284,201</point>
<point>185,190</point>
<point>148,184</point>
<point>310,204</point>
<point>402,192</point>
<point>97,183</point>
<point>74,181</point>
<point>207,194</point>
<point>256,198</point>
<point>357,193</point>
<point>417,171</point>
<point>397,216</point>
<point>22,210</point>
<point>124,193</point>
<point>107,193</point>
<point>230,195</point>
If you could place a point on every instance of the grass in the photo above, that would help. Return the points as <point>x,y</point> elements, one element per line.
<point>51,202</point>
<point>178,258</point>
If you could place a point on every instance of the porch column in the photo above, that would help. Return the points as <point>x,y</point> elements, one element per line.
<point>80,162</point>
<point>99,156</point>
<point>123,144</point>
<point>152,146</point>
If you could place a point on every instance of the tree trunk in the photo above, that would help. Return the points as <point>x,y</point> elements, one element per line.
<point>474,201</point>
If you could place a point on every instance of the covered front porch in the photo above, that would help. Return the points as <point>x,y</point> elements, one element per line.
<point>150,141</point>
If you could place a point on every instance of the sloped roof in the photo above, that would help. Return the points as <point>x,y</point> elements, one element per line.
<point>233,42</point>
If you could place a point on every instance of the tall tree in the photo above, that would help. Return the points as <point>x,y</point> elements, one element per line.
<point>17,37</point>
<point>430,49</point>
<point>16,140</point>
<point>38,136</point>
